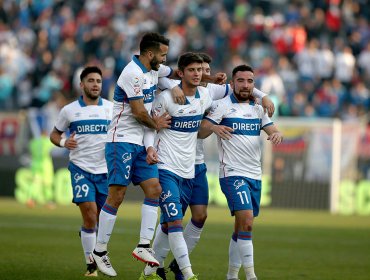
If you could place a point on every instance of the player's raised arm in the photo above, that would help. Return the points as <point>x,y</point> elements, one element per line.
<point>267,104</point>
<point>274,135</point>
<point>210,123</point>
<point>219,78</point>
<point>141,114</point>
<point>176,92</point>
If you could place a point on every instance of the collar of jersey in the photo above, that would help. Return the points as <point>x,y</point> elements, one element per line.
<point>234,100</point>
<point>83,104</point>
<point>135,58</point>
<point>197,95</point>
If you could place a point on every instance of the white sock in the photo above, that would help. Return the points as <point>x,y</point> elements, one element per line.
<point>235,261</point>
<point>245,247</point>
<point>249,272</point>
<point>192,235</point>
<point>233,272</point>
<point>88,240</point>
<point>161,245</point>
<point>187,272</point>
<point>178,247</point>
<point>107,218</point>
<point>161,248</point>
<point>149,215</point>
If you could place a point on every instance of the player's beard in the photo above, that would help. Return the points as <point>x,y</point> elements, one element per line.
<point>244,97</point>
<point>154,64</point>
<point>90,95</point>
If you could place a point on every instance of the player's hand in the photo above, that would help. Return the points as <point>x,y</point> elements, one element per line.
<point>71,142</point>
<point>178,95</point>
<point>222,131</point>
<point>220,78</point>
<point>162,121</point>
<point>152,156</point>
<point>276,138</point>
<point>268,106</point>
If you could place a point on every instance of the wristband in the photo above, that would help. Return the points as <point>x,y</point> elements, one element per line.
<point>62,142</point>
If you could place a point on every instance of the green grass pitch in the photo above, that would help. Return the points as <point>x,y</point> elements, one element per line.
<point>40,243</point>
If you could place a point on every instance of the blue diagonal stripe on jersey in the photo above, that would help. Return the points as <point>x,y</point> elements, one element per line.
<point>90,126</point>
<point>186,123</point>
<point>251,127</point>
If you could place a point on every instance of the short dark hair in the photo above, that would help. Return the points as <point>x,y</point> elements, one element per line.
<point>152,41</point>
<point>188,58</point>
<point>206,58</point>
<point>242,68</point>
<point>88,70</point>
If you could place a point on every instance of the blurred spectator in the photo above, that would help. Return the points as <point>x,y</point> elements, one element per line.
<point>324,62</point>
<point>364,63</point>
<point>6,89</point>
<point>345,66</point>
<point>320,40</point>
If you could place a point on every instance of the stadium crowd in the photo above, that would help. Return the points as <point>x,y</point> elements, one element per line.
<point>312,57</point>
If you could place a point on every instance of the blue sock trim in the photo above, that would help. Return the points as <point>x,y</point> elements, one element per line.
<point>87,230</point>
<point>234,236</point>
<point>198,225</point>
<point>109,209</point>
<point>245,235</point>
<point>175,229</point>
<point>151,202</point>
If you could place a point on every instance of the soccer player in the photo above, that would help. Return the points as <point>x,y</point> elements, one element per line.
<point>199,199</point>
<point>87,120</point>
<point>175,150</point>
<point>237,121</point>
<point>125,151</point>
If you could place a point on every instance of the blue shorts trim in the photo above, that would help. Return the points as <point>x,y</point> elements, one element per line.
<point>127,163</point>
<point>88,187</point>
<point>242,193</point>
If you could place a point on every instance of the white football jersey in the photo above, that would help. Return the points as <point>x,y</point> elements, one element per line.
<point>176,145</point>
<point>241,155</point>
<point>91,125</point>
<point>218,92</point>
<point>135,82</point>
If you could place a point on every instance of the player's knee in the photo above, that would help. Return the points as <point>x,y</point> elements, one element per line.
<point>116,196</point>
<point>199,218</point>
<point>90,221</point>
<point>247,227</point>
<point>154,192</point>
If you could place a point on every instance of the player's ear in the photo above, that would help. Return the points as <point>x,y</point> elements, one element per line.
<point>180,73</point>
<point>150,54</point>
<point>231,83</point>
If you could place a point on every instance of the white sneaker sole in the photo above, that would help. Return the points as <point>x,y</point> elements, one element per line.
<point>144,257</point>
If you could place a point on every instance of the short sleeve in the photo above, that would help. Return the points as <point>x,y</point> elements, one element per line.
<point>164,71</point>
<point>216,113</point>
<point>207,102</point>
<point>218,91</point>
<point>132,85</point>
<point>259,94</point>
<point>266,121</point>
<point>63,122</point>
<point>166,83</point>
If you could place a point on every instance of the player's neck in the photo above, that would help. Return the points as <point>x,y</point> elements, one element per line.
<point>242,101</point>
<point>89,101</point>
<point>189,90</point>
<point>145,61</point>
